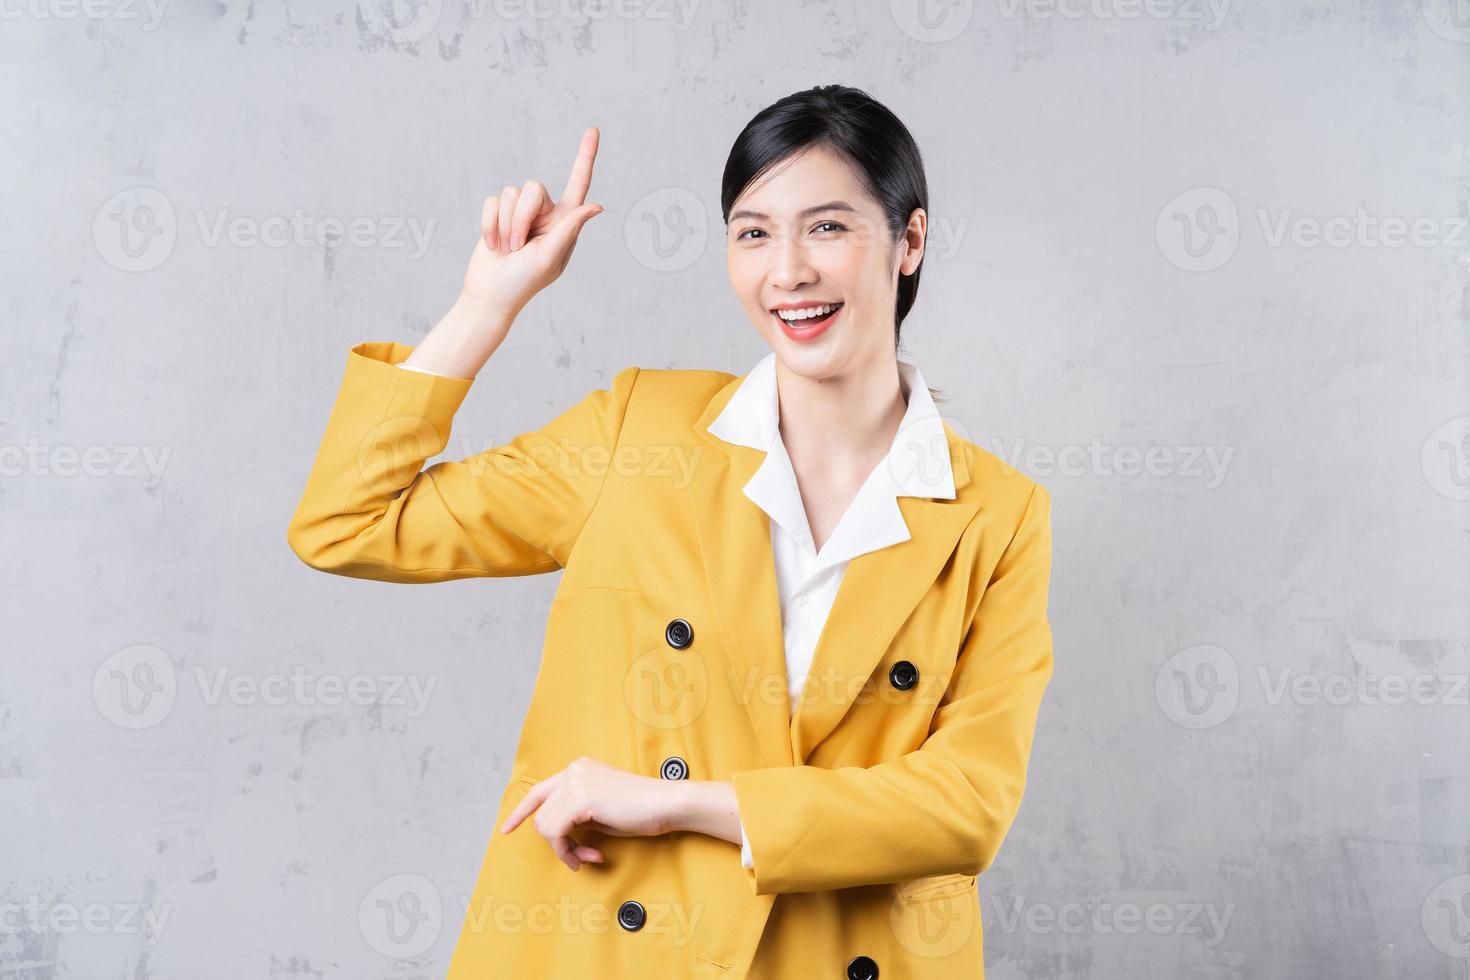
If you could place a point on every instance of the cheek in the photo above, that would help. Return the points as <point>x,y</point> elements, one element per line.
<point>852,269</point>
<point>745,279</point>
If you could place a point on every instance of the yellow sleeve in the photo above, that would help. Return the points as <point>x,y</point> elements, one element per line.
<point>945,807</point>
<point>370,510</point>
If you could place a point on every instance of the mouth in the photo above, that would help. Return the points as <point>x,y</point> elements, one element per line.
<point>807,322</point>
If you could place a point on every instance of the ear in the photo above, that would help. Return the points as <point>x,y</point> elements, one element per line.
<point>911,246</point>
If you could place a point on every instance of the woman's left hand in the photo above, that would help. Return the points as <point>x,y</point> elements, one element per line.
<point>590,793</point>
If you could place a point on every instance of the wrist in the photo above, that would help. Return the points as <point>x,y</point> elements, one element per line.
<point>683,805</point>
<point>463,339</point>
<point>705,806</point>
<point>484,315</point>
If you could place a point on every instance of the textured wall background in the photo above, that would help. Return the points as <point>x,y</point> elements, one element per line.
<point>1197,265</point>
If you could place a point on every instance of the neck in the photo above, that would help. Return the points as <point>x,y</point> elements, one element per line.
<point>843,424</point>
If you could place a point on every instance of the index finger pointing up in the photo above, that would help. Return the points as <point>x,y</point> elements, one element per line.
<point>575,192</point>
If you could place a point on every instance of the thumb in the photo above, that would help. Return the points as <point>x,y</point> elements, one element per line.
<point>570,226</point>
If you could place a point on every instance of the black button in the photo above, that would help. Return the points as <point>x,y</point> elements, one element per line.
<point>679,633</point>
<point>673,768</point>
<point>631,916</point>
<point>904,675</point>
<point>862,968</point>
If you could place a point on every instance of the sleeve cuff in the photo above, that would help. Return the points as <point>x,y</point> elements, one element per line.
<point>376,367</point>
<point>746,859</point>
<point>410,367</point>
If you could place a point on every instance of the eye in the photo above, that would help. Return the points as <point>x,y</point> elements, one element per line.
<point>746,232</point>
<point>833,224</point>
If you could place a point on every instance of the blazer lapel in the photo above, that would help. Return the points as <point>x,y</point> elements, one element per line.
<point>735,547</point>
<point>878,592</point>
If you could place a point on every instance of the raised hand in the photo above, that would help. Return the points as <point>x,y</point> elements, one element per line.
<point>526,239</point>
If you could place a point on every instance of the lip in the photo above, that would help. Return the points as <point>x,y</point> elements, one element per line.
<point>806,334</point>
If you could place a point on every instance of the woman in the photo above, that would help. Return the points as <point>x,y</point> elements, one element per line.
<point>793,664</point>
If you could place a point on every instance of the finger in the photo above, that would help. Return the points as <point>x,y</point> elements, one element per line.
<point>573,854</point>
<point>566,849</point>
<point>557,823</point>
<point>528,805</point>
<point>566,231</point>
<point>507,212</point>
<point>489,223</point>
<point>581,177</point>
<point>532,202</point>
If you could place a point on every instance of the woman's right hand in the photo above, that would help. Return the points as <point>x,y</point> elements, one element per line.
<point>526,239</point>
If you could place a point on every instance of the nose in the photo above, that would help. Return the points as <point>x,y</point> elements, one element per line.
<point>791,267</point>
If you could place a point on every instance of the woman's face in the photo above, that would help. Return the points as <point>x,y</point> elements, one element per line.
<point>807,236</point>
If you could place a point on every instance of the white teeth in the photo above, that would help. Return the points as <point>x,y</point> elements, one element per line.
<point>808,313</point>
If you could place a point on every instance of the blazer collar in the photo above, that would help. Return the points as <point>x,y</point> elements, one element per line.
<point>917,465</point>
<point>879,589</point>
<point>751,418</point>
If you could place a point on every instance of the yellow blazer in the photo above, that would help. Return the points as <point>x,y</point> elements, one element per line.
<point>869,813</point>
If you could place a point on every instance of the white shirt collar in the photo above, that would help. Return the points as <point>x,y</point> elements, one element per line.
<point>917,465</point>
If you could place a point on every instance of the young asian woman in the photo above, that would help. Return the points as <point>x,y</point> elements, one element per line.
<point>793,665</point>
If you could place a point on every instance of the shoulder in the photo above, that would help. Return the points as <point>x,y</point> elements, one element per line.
<point>676,385</point>
<point>663,403</point>
<point>670,393</point>
<point>1007,493</point>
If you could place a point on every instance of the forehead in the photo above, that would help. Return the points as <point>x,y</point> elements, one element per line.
<point>809,177</point>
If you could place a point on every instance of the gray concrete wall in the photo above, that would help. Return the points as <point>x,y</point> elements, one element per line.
<point>1200,269</point>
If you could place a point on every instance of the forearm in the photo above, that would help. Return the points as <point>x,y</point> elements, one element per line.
<point>900,820</point>
<point>462,341</point>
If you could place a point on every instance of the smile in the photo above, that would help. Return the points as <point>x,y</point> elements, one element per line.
<point>807,322</point>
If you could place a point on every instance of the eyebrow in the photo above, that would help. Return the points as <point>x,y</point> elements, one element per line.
<point>829,206</point>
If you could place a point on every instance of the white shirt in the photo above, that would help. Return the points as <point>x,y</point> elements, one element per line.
<point>917,465</point>
<point>807,580</point>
